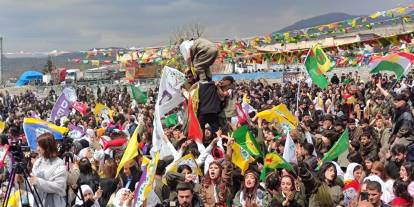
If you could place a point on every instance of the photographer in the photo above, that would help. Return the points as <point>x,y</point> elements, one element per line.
<point>49,175</point>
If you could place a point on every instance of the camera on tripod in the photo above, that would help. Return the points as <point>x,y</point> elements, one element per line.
<point>66,144</point>
<point>20,169</point>
<point>18,153</point>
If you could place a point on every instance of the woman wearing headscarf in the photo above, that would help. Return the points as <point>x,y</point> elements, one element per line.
<point>123,198</point>
<point>250,193</point>
<point>216,184</point>
<point>354,172</point>
<point>289,195</point>
<point>88,197</point>
<point>49,174</point>
<point>352,180</point>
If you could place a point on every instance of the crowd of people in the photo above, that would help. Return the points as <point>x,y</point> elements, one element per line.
<point>377,165</point>
<point>375,170</point>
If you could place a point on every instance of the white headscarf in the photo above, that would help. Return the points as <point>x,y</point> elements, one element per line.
<point>386,196</point>
<point>118,196</point>
<point>349,174</point>
<point>339,171</point>
<point>85,189</point>
<point>82,153</point>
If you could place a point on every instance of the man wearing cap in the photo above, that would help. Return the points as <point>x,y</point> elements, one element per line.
<point>403,122</point>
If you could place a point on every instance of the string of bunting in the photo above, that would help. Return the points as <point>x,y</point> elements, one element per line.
<point>351,54</point>
<point>248,50</point>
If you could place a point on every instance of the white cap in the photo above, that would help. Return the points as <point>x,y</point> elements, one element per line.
<point>185,48</point>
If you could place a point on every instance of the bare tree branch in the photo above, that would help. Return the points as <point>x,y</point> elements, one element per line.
<point>192,30</point>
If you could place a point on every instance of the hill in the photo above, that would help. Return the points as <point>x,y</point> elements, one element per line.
<point>318,20</point>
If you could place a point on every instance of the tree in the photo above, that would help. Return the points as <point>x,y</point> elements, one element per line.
<point>48,68</point>
<point>191,30</point>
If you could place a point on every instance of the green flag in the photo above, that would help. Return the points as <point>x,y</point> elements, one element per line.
<point>246,140</point>
<point>274,161</point>
<point>171,120</point>
<point>139,96</point>
<point>318,64</point>
<point>337,149</point>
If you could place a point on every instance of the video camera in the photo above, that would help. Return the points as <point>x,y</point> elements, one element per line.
<point>66,144</point>
<point>18,154</point>
<point>65,149</point>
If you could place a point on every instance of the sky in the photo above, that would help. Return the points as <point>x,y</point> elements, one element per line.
<point>74,25</point>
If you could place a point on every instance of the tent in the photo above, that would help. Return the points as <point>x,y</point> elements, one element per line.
<point>29,76</point>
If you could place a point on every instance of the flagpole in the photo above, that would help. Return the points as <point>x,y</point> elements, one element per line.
<point>299,82</point>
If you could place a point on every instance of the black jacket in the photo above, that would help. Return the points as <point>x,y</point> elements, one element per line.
<point>403,122</point>
<point>210,102</point>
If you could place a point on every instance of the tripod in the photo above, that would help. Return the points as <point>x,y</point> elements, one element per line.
<point>68,158</point>
<point>19,168</point>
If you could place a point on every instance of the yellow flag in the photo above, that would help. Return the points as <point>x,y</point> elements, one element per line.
<point>393,40</point>
<point>320,100</point>
<point>401,10</point>
<point>354,23</point>
<point>187,160</point>
<point>241,158</point>
<point>95,63</point>
<point>268,115</point>
<point>14,199</point>
<point>195,97</point>
<point>147,185</point>
<point>281,114</point>
<point>2,126</point>
<point>246,99</point>
<point>284,116</point>
<point>103,111</point>
<point>375,15</point>
<point>131,151</point>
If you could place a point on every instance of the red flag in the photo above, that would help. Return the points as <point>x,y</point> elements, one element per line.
<point>81,107</point>
<point>194,130</point>
<point>113,143</point>
<point>241,114</point>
